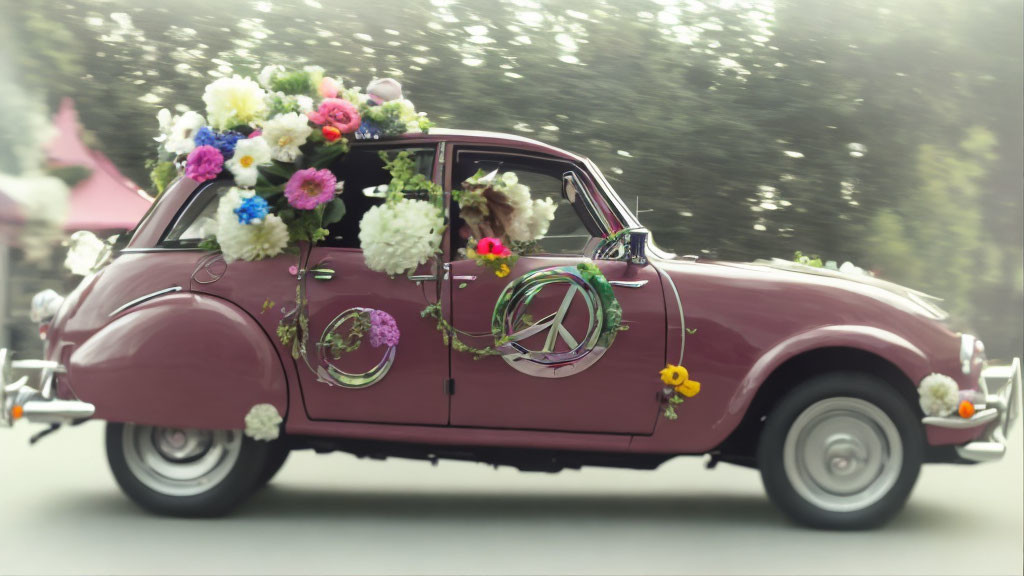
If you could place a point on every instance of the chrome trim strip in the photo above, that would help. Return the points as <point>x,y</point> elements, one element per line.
<point>142,299</point>
<point>682,319</point>
<point>628,284</point>
<point>957,423</point>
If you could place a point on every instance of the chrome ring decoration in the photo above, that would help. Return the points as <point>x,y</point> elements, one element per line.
<point>509,326</point>
<point>331,374</point>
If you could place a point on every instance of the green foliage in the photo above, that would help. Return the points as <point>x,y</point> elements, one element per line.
<point>296,83</point>
<point>162,174</point>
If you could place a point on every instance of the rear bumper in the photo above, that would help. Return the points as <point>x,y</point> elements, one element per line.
<point>1001,386</point>
<point>19,399</point>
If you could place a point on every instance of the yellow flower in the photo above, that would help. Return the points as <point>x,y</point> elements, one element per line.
<point>503,271</point>
<point>674,375</point>
<point>689,388</point>
<point>491,256</point>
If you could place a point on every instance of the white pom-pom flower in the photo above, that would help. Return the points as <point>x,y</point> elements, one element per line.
<point>285,133</point>
<point>398,237</point>
<point>939,394</point>
<point>264,239</point>
<point>263,422</point>
<point>233,102</point>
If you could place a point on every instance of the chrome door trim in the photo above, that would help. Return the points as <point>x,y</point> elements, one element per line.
<point>142,299</point>
<point>628,283</point>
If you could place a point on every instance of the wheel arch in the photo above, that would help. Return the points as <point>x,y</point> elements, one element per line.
<point>886,356</point>
<point>182,360</point>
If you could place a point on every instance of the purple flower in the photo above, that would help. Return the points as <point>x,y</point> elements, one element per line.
<point>383,329</point>
<point>252,210</point>
<point>309,188</point>
<point>223,141</point>
<point>204,163</point>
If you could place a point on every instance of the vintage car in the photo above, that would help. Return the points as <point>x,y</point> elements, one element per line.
<point>808,374</point>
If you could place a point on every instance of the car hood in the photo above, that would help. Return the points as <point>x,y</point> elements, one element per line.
<point>927,303</point>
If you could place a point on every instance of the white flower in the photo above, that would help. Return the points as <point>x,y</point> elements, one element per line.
<point>163,118</point>
<point>266,76</point>
<point>263,422</point>
<point>939,395</point>
<point>238,241</point>
<point>234,101</point>
<point>541,216</point>
<point>285,133</point>
<point>250,153</point>
<point>397,238</point>
<point>180,138</point>
<point>84,250</point>
<point>305,103</point>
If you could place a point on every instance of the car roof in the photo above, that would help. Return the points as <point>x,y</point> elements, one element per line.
<point>495,139</point>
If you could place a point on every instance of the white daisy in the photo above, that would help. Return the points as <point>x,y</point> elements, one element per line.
<point>250,153</point>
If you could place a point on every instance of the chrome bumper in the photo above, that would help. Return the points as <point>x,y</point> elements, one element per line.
<point>21,400</point>
<point>1001,386</point>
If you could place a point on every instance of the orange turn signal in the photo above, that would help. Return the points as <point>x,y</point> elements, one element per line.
<point>966,409</point>
<point>17,412</point>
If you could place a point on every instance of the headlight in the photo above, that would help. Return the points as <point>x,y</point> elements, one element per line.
<point>45,305</point>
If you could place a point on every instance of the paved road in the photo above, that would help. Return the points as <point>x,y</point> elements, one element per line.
<point>62,513</point>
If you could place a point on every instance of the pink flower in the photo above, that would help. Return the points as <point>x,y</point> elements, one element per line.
<point>329,87</point>
<point>486,245</point>
<point>293,270</point>
<point>256,134</point>
<point>309,188</point>
<point>204,163</point>
<point>336,112</point>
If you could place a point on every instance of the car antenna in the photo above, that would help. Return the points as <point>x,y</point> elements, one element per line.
<point>638,210</point>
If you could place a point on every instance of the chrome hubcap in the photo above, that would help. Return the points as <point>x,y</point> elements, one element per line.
<point>843,454</point>
<point>180,462</point>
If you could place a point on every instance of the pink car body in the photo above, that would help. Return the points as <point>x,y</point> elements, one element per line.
<point>175,337</point>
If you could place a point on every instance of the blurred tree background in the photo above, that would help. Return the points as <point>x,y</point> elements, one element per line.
<point>890,134</point>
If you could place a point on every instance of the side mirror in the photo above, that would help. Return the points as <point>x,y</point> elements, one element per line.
<point>628,245</point>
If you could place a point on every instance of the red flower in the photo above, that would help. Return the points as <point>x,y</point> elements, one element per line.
<point>486,245</point>
<point>330,133</point>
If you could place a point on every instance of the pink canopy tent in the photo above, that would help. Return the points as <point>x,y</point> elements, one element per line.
<point>106,200</point>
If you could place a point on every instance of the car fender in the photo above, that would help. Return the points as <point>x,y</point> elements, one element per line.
<point>887,345</point>
<point>181,360</point>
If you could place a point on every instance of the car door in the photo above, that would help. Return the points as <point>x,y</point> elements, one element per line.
<point>594,385</point>
<point>395,382</point>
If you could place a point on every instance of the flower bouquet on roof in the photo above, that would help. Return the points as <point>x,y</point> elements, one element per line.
<point>502,218</point>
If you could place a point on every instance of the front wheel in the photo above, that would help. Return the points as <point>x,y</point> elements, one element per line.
<point>841,451</point>
<point>186,472</point>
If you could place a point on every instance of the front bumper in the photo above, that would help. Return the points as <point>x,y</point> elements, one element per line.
<point>1001,386</point>
<point>21,400</point>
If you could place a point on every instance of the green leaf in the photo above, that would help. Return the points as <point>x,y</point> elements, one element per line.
<point>334,212</point>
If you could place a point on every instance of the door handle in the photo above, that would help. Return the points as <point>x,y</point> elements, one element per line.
<point>459,278</point>
<point>422,277</point>
<point>628,284</point>
<point>322,274</point>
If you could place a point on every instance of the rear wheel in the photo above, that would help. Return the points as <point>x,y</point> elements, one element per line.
<point>841,451</point>
<point>186,472</point>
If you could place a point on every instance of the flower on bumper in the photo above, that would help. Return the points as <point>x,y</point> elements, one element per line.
<point>251,240</point>
<point>939,395</point>
<point>250,153</point>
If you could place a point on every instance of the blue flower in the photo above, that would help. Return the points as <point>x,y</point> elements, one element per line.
<point>222,141</point>
<point>252,211</point>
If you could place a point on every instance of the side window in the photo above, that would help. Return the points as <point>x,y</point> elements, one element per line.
<point>197,220</point>
<point>567,234</point>
<point>362,171</point>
